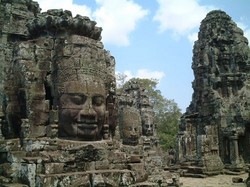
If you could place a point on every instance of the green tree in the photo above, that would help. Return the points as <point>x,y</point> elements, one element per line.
<point>167,112</point>
<point>167,120</point>
<point>120,80</point>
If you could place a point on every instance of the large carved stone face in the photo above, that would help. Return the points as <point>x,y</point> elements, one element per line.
<point>130,123</point>
<point>147,125</point>
<point>82,110</point>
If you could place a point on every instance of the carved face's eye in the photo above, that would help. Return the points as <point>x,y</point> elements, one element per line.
<point>97,100</point>
<point>78,99</point>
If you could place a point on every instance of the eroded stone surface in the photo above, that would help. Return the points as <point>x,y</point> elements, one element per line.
<point>214,132</point>
<point>61,124</point>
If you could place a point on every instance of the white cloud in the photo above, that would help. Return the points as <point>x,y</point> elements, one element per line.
<point>118,19</point>
<point>144,74</point>
<point>245,29</point>
<point>180,16</point>
<point>247,35</point>
<point>141,73</point>
<point>128,74</point>
<point>241,25</point>
<point>65,5</point>
<point>193,37</point>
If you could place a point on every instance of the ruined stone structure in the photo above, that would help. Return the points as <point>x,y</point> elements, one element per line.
<point>142,138</point>
<point>61,124</point>
<point>214,132</point>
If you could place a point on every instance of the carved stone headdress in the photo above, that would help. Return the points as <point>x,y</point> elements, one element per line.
<point>81,70</point>
<point>77,51</point>
<point>82,59</point>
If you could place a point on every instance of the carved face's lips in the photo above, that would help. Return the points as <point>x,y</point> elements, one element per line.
<point>90,126</point>
<point>149,133</point>
<point>132,140</point>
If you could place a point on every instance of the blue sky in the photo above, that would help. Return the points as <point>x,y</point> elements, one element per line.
<point>154,38</point>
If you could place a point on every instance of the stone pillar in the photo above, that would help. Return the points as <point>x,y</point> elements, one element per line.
<point>1,134</point>
<point>199,145</point>
<point>4,38</point>
<point>25,128</point>
<point>234,150</point>
<point>52,128</point>
<point>179,155</point>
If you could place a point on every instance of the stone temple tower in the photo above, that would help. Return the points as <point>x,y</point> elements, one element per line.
<point>215,130</point>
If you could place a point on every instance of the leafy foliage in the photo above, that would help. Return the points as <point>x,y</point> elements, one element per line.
<point>167,121</point>
<point>120,80</point>
<point>167,112</point>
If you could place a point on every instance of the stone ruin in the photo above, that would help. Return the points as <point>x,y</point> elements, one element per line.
<point>62,123</point>
<point>134,99</point>
<point>214,133</point>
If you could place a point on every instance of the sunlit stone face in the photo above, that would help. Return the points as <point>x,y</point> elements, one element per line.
<point>130,123</point>
<point>147,125</point>
<point>82,108</point>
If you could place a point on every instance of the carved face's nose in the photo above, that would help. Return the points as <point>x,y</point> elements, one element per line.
<point>133,131</point>
<point>87,113</point>
<point>149,128</point>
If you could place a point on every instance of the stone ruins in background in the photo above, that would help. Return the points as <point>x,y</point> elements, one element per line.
<point>62,122</point>
<point>215,130</point>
